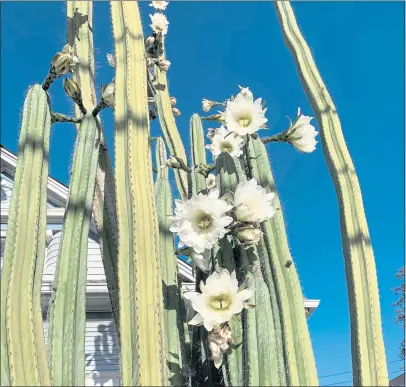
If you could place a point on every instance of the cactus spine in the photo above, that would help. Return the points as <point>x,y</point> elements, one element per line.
<point>140,279</point>
<point>67,311</point>
<point>368,351</point>
<point>80,36</point>
<point>22,338</point>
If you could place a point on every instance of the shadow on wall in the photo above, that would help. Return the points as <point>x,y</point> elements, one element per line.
<point>103,361</point>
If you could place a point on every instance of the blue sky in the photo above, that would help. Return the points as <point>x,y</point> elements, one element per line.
<point>216,46</point>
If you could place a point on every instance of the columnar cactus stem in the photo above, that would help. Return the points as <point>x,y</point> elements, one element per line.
<point>170,130</point>
<point>174,328</point>
<point>297,351</point>
<point>67,313</point>
<point>368,351</point>
<point>80,36</point>
<point>23,354</point>
<point>198,153</point>
<point>139,271</point>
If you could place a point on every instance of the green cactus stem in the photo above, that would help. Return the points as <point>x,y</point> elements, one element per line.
<point>23,354</point>
<point>67,313</point>
<point>80,36</point>
<point>139,269</point>
<point>174,311</point>
<point>282,280</point>
<point>368,351</point>
<point>198,153</point>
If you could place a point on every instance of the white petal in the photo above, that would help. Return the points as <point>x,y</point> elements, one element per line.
<point>198,319</point>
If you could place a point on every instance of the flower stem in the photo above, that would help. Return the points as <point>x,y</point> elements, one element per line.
<point>281,137</point>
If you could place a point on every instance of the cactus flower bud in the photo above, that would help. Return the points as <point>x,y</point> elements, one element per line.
<point>71,88</point>
<point>210,133</point>
<point>64,61</point>
<point>149,41</point>
<point>163,64</point>
<point>111,60</point>
<point>249,235</point>
<point>173,101</point>
<point>211,181</point>
<point>173,162</point>
<point>176,112</point>
<point>208,105</point>
<point>108,93</point>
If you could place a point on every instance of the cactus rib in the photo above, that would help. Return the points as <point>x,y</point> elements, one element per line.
<point>368,351</point>
<point>80,36</point>
<point>140,279</point>
<point>22,338</point>
<point>67,312</point>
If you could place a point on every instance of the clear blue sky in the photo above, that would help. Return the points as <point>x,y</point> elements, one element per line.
<point>213,47</point>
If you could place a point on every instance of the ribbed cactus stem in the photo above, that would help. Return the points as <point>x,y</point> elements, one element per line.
<point>281,277</point>
<point>80,36</point>
<point>198,153</point>
<point>170,129</point>
<point>23,354</point>
<point>174,327</point>
<point>368,351</point>
<point>139,270</point>
<point>67,313</point>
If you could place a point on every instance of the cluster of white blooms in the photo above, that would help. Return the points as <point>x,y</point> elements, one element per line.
<point>220,299</point>
<point>159,22</point>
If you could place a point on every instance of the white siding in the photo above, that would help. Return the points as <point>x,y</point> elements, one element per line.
<point>6,188</point>
<point>101,350</point>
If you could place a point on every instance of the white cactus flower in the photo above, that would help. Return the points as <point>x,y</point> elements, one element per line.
<point>161,5</point>
<point>163,64</point>
<point>302,134</point>
<point>249,235</point>
<point>108,93</point>
<point>210,133</point>
<point>159,23</point>
<point>243,115</point>
<point>252,202</point>
<point>201,221</point>
<point>225,141</point>
<point>211,181</point>
<point>202,260</point>
<point>220,299</point>
<point>219,341</point>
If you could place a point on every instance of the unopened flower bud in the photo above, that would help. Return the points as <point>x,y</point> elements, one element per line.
<point>249,235</point>
<point>149,41</point>
<point>208,105</point>
<point>163,64</point>
<point>173,101</point>
<point>210,133</point>
<point>108,94</point>
<point>211,181</point>
<point>173,162</point>
<point>111,60</point>
<point>176,112</point>
<point>71,88</point>
<point>64,61</point>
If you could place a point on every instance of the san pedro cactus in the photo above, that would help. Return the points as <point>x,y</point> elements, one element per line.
<point>247,312</point>
<point>140,278</point>
<point>22,338</point>
<point>67,313</point>
<point>368,351</point>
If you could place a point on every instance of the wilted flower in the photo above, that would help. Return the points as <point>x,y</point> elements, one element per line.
<point>108,94</point>
<point>225,141</point>
<point>249,235</point>
<point>252,202</point>
<point>302,134</point>
<point>243,115</point>
<point>202,260</point>
<point>111,60</point>
<point>159,23</point>
<point>64,61</point>
<point>173,101</point>
<point>176,112</point>
<point>211,181</point>
<point>208,105</point>
<point>219,341</point>
<point>71,88</point>
<point>163,64</point>
<point>161,5</point>
<point>219,300</point>
<point>201,221</point>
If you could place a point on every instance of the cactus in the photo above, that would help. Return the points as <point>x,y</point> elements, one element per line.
<point>140,279</point>
<point>67,313</point>
<point>80,37</point>
<point>368,351</point>
<point>22,338</point>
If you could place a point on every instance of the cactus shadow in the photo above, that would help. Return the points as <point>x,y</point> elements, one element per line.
<point>74,24</point>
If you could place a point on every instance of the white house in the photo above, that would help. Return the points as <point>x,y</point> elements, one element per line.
<point>102,348</point>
